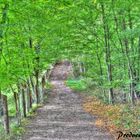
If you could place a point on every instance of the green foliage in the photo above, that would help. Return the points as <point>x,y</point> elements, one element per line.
<point>17,130</point>
<point>99,36</point>
<point>77,85</point>
<point>129,118</point>
<point>48,85</point>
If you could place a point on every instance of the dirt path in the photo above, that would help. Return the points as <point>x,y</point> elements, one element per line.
<point>62,117</point>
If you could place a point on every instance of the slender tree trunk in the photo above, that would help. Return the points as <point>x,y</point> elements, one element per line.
<point>121,44</point>
<point>36,70</point>
<point>37,87</point>
<point>16,103</point>
<point>6,115</point>
<point>0,93</point>
<point>108,54</point>
<point>23,102</point>
<point>19,104</point>
<point>130,70</point>
<point>1,109</point>
<point>43,85</point>
<point>29,94</point>
<point>30,79</point>
<point>101,74</point>
<point>15,99</point>
<point>133,63</point>
<point>32,84</point>
<point>27,98</point>
<point>138,69</point>
<point>30,43</point>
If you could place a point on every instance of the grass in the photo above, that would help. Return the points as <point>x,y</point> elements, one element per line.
<point>48,85</point>
<point>77,85</point>
<point>16,131</point>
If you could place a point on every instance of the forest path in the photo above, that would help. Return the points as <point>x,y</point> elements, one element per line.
<point>62,116</point>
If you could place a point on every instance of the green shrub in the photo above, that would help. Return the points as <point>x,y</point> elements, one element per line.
<point>48,85</point>
<point>77,84</point>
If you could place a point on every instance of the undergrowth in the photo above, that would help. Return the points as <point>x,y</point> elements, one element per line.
<point>18,130</point>
<point>118,117</point>
<point>77,85</point>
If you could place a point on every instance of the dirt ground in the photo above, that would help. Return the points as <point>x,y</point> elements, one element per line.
<point>62,116</point>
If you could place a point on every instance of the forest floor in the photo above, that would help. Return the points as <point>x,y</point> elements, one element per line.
<point>62,117</point>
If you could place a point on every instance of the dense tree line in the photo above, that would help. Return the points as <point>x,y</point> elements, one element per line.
<point>105,37</point>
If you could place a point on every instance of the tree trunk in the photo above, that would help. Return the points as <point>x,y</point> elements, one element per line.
<point>130,70</point>
<point>32,84</point>
<point>19,106</point>
<point>37,87</point>
<point>23,102</point>
<point>29,94</point>
<point>5,114</point>
<point>16,103</point>
<point>1,109</point>
<point>107,54</point>
<point>121,44</point>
